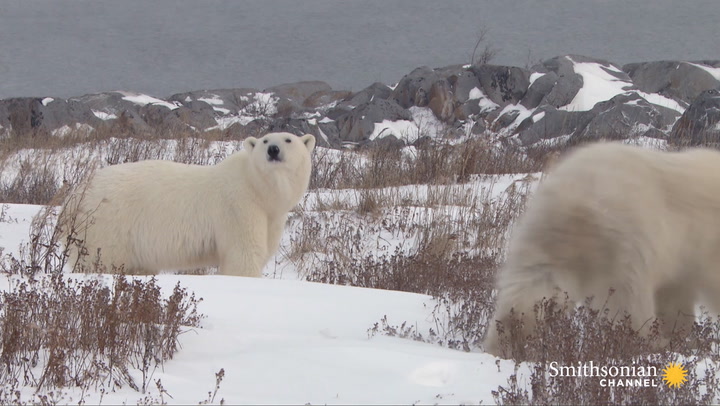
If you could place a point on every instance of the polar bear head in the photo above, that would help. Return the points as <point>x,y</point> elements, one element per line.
<point>281,149</point>
<point>280,165</point>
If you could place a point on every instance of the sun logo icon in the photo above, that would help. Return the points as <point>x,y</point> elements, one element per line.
<point>674,375</point>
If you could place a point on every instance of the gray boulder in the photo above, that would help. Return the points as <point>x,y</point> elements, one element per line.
<point>298,92</point>
<point>559,83</point>
<point>325,98</point>
<point>21,115</point>
<point>551,89</point>
<point>462,84</point>
<point>413,88</point>
<point>222,101</point>
<point>549,123</point>
<point>32,115</point>
<point>700,124</point>
<point>442,102</point>
<point>291,96</point>
<point>376,91</point>
<point>681,81</point>
<point>625,116</point>
<point>503,84</point>
<point>358,125</point>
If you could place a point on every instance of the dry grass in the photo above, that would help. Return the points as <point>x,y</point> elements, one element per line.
<point>431,220</point>
<point>582,335</point>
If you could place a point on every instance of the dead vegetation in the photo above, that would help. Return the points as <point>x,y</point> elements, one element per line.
<point>433,219</point>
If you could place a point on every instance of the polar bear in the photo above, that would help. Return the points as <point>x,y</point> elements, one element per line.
<point>642,222</point>
<point>156,215</point>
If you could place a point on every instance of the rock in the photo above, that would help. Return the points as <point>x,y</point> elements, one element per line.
<point>442,101</point>
<point>222,101</point>
<point>376,91</point>
<point>560,83</point>
<point>31,115</point>
<point>196,114</point>
<point>328,134</point>
<point>681,81</point>
<point>325,99</point>
<point>413,88</point>
<point>548,123</point>
<point>21,115</point>
<point>503,84</point>
<point>700,124</point>
<point>446,72</point>
<point>541,89</point>
<point>163,119</point>
<point>625,116</point>
<point>478,127</point>
<point>358,125</point>
<point>297,126</point>
<point>298,92</point>
<point>462,85</point>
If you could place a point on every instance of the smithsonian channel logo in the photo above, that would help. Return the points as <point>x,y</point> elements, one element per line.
<point>674,374</point>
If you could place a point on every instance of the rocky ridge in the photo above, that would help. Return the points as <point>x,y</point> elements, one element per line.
<point>564,99</point>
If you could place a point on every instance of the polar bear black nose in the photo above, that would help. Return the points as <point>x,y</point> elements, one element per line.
<point>273,152</point>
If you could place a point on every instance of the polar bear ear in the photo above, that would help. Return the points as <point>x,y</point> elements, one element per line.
<point>249,143</point>
<point>309,141</point>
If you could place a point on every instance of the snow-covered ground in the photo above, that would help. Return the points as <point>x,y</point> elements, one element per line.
<point>294,342</point>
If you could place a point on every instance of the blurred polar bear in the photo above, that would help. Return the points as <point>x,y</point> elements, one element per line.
<point>643,222</point>
<point>154,215</point>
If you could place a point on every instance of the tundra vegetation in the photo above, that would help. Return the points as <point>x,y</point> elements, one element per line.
<point>448,205</point>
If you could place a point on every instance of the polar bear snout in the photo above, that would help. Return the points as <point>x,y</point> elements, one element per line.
<point>273,153</point>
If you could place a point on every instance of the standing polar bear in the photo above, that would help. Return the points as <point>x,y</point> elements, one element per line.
<point>149,216</point>
<point>644,223</point>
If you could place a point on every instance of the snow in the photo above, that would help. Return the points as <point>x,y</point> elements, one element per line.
<point>661,100</point>
<point>400,129</point>
<point>424,123</point>
<point>215,102</point>
<point>598,86</point>
<point>475,94</point>
<point>143,99</point>
<point>485,103</point>
<point>715,72</point>
<point>294,342</point>
<point>262,105</point>
<point>66,129</point>
<point>103,115</point>
<point>535,76</point>
<point>522,113</point>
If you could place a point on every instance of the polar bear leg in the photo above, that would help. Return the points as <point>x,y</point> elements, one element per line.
<point>275,232</point>
<point>241,262</point>
<point>244,254</point>
<point>618,297</point>
<point>518,300</point>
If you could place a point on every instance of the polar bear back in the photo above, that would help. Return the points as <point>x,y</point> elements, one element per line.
<point>666,202</point>
<point>636,229</point>
<point>123,192</point>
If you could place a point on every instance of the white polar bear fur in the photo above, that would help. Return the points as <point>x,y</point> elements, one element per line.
<point>645,223</point>
<point>157,215</point>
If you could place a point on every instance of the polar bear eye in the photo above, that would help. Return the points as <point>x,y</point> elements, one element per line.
<point>288,140</point>
<point>264,141</point>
